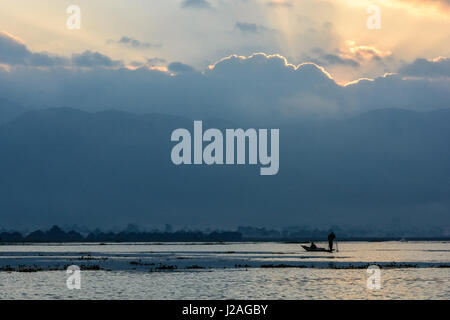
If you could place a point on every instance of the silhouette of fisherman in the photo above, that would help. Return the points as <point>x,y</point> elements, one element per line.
<point>331,238</point>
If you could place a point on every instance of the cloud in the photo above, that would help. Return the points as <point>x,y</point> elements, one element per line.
<point>246,27</point>
<point>44,59</point>
<point>279,3</point>
<point>155,60</point>
<point>13,51</point>
<point>331,59</point>
<point>351,60</point>
<point>259,88</point>
<point>334,59</point>
<point>196,4</point>
<point>178,67</point>
<point>441,4</point>
<point>436,68</point>
<point>364,52</point>
<point>151,63</point>
<point>133,43</point>
<point>94,59</point>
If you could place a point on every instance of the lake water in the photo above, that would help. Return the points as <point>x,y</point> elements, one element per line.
<point>409,270</point>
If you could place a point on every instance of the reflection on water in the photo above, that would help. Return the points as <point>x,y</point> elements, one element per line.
<point>221,279</point>
<point>428,283</point>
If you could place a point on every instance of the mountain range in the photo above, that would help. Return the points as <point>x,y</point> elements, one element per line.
<point>67,166</point>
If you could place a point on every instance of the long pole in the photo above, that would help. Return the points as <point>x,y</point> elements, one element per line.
<point>337,247</point>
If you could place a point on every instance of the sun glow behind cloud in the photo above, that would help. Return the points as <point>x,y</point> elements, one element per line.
<point>430,9</point>
<point>294,29</point>
<point>278,14</point>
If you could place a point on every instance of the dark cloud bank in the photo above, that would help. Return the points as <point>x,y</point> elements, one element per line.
<point>367,153</point>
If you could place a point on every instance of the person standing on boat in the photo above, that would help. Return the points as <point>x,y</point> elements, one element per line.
<point>331,238</point>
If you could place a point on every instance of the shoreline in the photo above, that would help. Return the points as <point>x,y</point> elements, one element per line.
<point>155,257</point>
<point>244,241</point>
<point>186,264</point>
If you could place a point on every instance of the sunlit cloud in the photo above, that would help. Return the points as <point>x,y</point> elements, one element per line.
<point>13,51</point>
<point>439,4</point>
<point>5,67</point>
<point>357,81</point>
<point>264,57</point>
<point>439,9</point>
<point>365,52</point>
<point>427,68</point>
<point>132,67</point>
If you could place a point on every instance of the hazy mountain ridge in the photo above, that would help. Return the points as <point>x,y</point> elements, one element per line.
<point>10,110</point>
<point>63,165</point>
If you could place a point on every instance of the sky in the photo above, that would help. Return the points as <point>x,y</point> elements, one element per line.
<point>252,63</point>
<point>198,33</point>
<point>236,59</point>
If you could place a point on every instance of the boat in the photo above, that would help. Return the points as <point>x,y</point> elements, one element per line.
<point>316,249</point>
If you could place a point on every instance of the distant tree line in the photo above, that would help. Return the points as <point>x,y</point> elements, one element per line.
<point>56,234</point>
<point>132,233</point>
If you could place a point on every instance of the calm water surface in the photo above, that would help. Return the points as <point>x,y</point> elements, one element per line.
<point>222,275</point>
